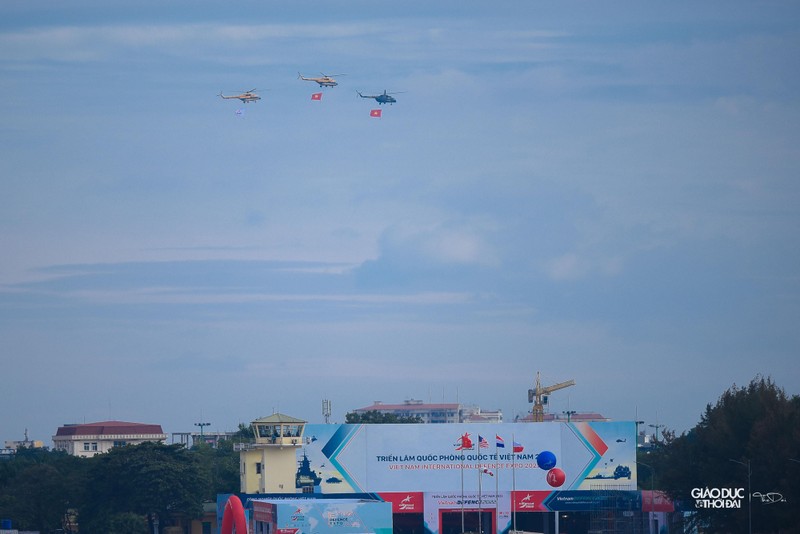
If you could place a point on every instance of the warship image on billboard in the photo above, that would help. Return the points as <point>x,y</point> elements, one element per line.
<point>306,477</point>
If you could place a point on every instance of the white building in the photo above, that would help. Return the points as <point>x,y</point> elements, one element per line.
<point>474,414</point>
<point>435,412</point>
<point>89,439</point>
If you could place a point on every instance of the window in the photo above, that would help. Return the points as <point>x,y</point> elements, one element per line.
<point>120,443</point>
<point>258,468</point>
<point>86,446</point>
<point>94,446</point>
<point>292,431</point>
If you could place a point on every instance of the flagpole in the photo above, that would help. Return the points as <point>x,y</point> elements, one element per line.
<point>480,504</point>
<point>496,482</point>
<point>513,485</point>
<point>462,492</point>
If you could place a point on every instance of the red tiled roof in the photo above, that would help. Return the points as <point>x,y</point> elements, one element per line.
<point>106,428</point>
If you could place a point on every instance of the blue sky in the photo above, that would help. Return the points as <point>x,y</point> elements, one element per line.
<point>605,192</point>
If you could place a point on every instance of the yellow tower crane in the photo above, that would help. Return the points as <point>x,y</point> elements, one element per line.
<point>538,396</point>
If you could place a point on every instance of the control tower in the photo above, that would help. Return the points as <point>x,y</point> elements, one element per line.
<point>270,464</point>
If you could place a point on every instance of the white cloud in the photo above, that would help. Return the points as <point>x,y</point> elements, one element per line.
<point>444,243</point>
<point>566,267</point>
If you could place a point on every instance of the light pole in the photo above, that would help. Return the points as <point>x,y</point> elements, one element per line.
<point>749,494</point>
<point>201,425</point>
<point>652,493</point>
<point>569,414</point>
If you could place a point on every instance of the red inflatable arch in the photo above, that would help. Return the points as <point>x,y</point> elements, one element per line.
<point>233,517</point>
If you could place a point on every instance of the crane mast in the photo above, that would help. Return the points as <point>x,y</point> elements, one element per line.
<point>538,396</point>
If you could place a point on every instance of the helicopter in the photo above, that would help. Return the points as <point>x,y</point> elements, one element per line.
<point>385,98</point>
<point>246,97</point>
<point>324,81</point>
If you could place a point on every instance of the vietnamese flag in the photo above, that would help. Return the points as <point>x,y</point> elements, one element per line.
<point>316,96</point>
<point>375,113</point>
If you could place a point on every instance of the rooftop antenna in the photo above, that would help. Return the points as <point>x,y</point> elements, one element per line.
<point>326,410</point>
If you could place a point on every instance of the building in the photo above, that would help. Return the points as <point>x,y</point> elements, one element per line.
<point>435,413</point>
<point>27,442</point>
<point>474,414</point>
<point>89,439</point>
<point>10,449</point>
<point>270,464</point>
<point>193,439</point>
<point>573,417</point>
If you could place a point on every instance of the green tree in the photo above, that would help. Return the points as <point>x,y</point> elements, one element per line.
<point>374,417</point>
<point>145,479</point>
<point>127,523</point>
<point>756,425</point>
<point>37,486</point>
<point>244,434</point>
<point>221,467</point>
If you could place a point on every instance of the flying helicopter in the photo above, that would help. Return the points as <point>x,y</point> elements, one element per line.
<point>246,97</point>
<point>385,98</point>
<point>324,81</point>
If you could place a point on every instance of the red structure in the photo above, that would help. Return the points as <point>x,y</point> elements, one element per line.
<point>233,519</point>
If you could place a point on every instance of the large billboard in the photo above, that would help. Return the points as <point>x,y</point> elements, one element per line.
<point>469,457</point>
<point>324,516</point>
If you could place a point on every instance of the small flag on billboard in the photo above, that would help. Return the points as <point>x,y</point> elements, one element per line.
<point>518,447</point>
<point>316,96</point>
<point>375,113</point>
<point>464,443</point>
<point>482,443</point>
<point>499,443</point>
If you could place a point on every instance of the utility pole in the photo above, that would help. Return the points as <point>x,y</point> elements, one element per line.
<point>749,494</point>
<point>652,495</point>
<point>569,414</point>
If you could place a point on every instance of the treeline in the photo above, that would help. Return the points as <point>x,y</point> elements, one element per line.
<point>749,441</point>
<point>118,491</point>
